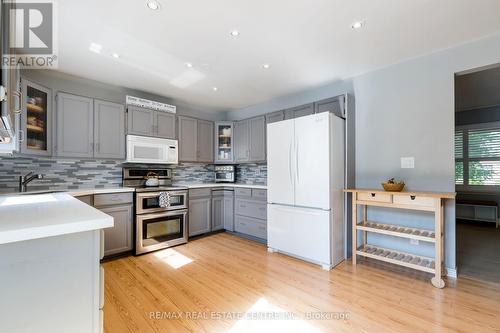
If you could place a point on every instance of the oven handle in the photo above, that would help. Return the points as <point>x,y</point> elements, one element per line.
<point>163,214</point>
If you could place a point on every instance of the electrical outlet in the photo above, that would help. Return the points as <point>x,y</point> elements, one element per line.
<point>257,172</point>
<point>407,162</point>
<point>414,242</point>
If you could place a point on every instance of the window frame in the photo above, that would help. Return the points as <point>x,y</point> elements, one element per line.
<point>465,159</point>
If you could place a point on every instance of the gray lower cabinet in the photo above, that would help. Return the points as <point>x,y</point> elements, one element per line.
<point>200,211</point>
<point>165,125</point>
<point>140,121</point>
<point>222,210</point>
<point>275,117</point>
<point>118,239</point>
<point>250,140</point>
<point>299,111</point>
<point>109,130</point>
<point>196,140</point>
<point>250,212</point>
<point>75,126</point>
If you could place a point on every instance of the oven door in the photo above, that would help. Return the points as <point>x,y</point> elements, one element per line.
<point>149,202</point>
<point>158,231</point>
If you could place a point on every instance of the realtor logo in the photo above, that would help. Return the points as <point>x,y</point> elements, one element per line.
<point>31,32</point>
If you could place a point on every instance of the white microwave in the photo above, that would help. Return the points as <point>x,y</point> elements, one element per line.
<point>143,149</point>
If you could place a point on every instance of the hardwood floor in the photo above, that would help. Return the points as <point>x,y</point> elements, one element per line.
<point>196,282</point>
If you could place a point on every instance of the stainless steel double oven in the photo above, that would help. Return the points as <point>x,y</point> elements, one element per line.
<point>157,227</point>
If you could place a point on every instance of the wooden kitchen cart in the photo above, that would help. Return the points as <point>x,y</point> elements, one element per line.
<point>422,201</point>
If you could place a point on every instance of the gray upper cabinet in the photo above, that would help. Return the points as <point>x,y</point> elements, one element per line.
<point>164,125</point>
<point>109,130</point>
<point>75,126</point>
<point>188,139</point>
<point>274,117</point>
<point>257,144</point>
<point>299,111</point>
<point>196,140</point>
<point>241,141</point>
<point>334,105</point>
<point>205,141</point>
<point>141,121</point>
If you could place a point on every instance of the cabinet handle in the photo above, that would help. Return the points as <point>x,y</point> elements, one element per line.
<point>373,195</point>
<point>21,136</point>
<point>412,197</point>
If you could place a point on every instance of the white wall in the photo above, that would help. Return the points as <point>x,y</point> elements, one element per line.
<point>406,109</point>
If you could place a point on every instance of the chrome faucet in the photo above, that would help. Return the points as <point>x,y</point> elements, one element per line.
<point>27,178</point>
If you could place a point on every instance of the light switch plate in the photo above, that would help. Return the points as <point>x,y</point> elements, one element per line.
<point>407,162</point>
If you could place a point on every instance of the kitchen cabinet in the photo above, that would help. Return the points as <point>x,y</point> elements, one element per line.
<point>75,126</point>
<point>140,121</point>
<point>222,210</point>
<point>199,216</point>
<point>119,238</point>
<point>109,130</point>
<point>274,117</point>
<point>164,125</point>
<point>250,140</point>
<point>205,144</point>
<point>224,142</point>
<point>250,212</point>
<point>196,141</point>
<point>299,111</point>
<point>334,105</point>
<point>36,119</point>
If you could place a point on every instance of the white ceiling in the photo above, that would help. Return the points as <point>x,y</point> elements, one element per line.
<point>308,43</point>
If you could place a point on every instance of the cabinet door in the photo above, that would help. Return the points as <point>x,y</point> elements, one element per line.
<point>228,213</point>
<point>334,105</point>
<point>224,143</point>
<point>36,119</point>
<point>200,216</point>
<point>217,213</point>
<point>257,144</point>
<point>165,125</point>
<point>75,126</point>
<point>205,141</point>
<point>109,130</point>
<point>299,111</point>
<point>118,238</point>
<point>241,140</point>
<point>274,117</point>
<point>188,134</point>
<point>140,121</point>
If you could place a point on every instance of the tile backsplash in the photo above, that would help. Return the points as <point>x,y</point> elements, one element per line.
<point>75,173</point>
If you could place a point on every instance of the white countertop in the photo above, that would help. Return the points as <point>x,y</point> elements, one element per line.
<point>26,217</point>
<point>205,185</point>
<point>90,191</point>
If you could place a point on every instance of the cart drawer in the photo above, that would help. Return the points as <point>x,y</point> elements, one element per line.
<point>414,200</point>
<point>376,197</point>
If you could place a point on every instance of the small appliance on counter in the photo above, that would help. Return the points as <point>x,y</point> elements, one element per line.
<point>225,173</point>
<point>157,226</point>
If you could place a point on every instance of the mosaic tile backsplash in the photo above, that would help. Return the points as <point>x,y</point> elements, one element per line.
<point>61,174</point>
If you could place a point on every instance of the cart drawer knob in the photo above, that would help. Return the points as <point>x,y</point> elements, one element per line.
<point>373,195</point>
<point>412,197</point>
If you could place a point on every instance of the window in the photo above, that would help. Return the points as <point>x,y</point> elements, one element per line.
<point>477,155</point>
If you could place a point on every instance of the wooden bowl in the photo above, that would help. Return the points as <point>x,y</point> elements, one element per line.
<point>393,187</point>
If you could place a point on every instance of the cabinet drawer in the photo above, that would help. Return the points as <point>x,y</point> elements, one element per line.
<point>251,208</point>
<point>200,192</point>
<point>259,194</point>
<point>222,193</point>
<point>250,226</point>
<point>101,287</point>
<point>243,192</point>
<point>88,199</point>
<point>378,197</point>
<point>414,200</point>
<point>112,199</point>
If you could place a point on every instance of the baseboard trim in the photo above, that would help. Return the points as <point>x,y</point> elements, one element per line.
<point>451,273</point>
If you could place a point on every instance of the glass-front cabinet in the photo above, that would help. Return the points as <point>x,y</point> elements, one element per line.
<point>224,142</point>
<point>36,119</point>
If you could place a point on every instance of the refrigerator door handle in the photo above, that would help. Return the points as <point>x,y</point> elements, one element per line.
<point>290,164</point>
<point>297,175</point>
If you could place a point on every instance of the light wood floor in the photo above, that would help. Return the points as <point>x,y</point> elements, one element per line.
<point>225,273</point>
<point>478,252</point>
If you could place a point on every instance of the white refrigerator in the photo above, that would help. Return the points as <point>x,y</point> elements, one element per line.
<point>305,178</point>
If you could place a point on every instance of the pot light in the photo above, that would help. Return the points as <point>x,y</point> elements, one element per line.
<point>266,66</point>
<point>357,24</point>
<point>188,65</point>
<point>235,33</point>
<point>116,55</point>
<point>96,48</point>
<point>153,5</point>
<point>215,88</point>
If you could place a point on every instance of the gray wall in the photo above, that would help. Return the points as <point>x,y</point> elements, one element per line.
<point>404,110</point>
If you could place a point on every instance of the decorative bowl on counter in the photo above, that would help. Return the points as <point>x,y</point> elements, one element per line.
<point>393,186</point>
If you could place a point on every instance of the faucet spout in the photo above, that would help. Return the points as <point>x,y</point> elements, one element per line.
<point>24,180</point>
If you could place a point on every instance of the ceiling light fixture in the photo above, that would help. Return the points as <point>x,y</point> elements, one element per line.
<point>188,65</point>
<point>96,48</point>
<point>116,55</point>
<point>153,5</point>
<point>215,88</point>
<point>358,24</point>
<point>266,66</point>
<point>235,33</point>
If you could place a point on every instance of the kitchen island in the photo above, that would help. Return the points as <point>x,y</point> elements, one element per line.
<point>50,275</point>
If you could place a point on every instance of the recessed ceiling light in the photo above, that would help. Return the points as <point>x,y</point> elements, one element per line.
<point>215,88</point>
<point>152,4</point>
<point>266,66</point>
<point>357,24</point>
<point>235,33</point>
<point>96,48</point>
<point>188,64</point>
<point>116,55</point>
